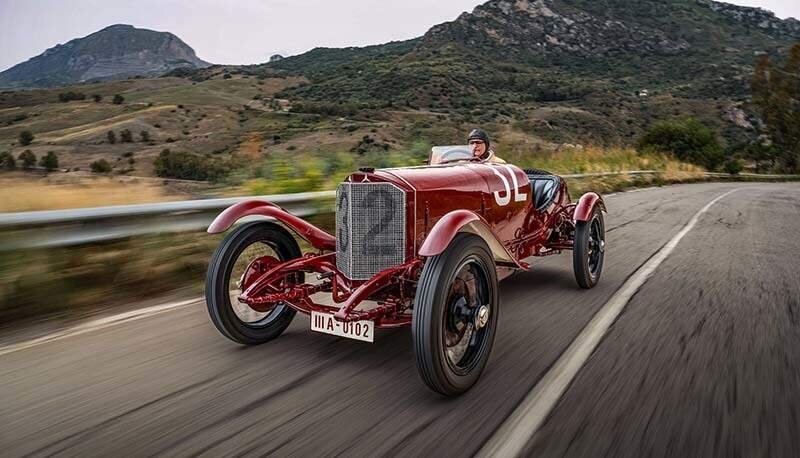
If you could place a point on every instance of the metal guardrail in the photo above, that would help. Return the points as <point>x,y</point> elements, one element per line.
<point>54,228</point>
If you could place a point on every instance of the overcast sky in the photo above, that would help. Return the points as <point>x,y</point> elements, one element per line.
<point>241,31</point>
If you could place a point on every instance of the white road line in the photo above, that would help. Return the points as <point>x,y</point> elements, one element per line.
<point>519,428</point>
<point>100,323</point>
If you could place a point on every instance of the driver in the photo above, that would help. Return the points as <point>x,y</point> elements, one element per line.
<point>481,147</point>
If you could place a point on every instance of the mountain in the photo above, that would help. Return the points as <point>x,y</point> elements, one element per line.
<point>115,52</point>
<point>599,67</point>
<point>650,42</point>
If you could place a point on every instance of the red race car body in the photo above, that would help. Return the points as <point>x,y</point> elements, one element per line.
<point>390,224</point>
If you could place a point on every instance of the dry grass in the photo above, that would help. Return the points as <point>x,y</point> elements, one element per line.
<point>595,159</point>
<point>30,194</point>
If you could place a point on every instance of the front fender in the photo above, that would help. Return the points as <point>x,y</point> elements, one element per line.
<point>583,211</point>
<point>315,236</point>
<point>445,230</point>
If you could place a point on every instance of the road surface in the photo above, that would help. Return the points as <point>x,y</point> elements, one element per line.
<point>703,361</point>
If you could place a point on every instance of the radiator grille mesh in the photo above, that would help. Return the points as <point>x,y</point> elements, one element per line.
<point>370,228</point>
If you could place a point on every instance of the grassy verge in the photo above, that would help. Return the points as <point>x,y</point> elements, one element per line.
<point>41,282</point>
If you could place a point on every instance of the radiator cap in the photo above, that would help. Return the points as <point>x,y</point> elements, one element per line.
<point>366,169</point>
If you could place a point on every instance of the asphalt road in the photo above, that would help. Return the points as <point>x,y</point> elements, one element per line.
<point>702,362</point>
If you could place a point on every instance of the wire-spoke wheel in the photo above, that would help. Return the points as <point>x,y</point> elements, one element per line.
<point>589,250</point>
<point>455,315</point>
<point>244,254</point>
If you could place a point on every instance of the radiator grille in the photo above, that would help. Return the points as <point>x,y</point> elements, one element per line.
<point>370,228</point>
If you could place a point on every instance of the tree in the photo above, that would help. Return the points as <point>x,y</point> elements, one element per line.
<point>761,153</point>
<point>118,99</point>
<point>49,161</point>
<point>687,139</point>
<point>7,161</point>
<point>125,136</point>
<point>776,94</point>
<point>97,98</point>
<point>69,96</point>
<point>145,136</point>
<point>100,166</point>
<point>112,137</point>
<point>188,166</point>
<point>25,138</point>
<point>733,166</point>
<point>27,158</point>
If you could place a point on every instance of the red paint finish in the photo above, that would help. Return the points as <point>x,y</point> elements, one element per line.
<point>315,236</point>
<point>500,194</point>
<point>586,204</point>
<point>444,230</point>
<point>492,200</point>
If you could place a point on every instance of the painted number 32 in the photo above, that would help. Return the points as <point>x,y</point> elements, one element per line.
<point>506,199</point>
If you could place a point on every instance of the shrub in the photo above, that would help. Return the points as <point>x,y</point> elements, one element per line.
<point>7,161</point>
<point>27,158</point>
<point>112,137</point>
<point>688,139</point>
<point>49,161</point>
<point>69,96</point>
<point>125,136</point>
<point>118,99</point>
<point>25,138</point>
<point>100,166</point>
<point>145,136</point>
<point>733,166</point>
<point>226,76</point>
<point>97,98</point>
<point>188,166</point>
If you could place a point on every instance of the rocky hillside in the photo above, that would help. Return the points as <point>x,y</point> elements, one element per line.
<point>116,52</point>
<point>602,68</point>
<point>542,29</point>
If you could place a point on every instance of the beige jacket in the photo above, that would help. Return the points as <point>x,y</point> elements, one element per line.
<point>494,159</point>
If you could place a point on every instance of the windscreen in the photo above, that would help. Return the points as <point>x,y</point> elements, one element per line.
<point>453,153</point>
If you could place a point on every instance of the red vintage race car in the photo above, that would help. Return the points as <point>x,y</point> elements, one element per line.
<point>420,246</point>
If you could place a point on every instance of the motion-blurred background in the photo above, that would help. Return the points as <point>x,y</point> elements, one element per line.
<point>205,100</point>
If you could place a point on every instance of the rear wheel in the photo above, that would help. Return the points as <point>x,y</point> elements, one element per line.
<point>589,250</point>
<point>455,315</point>
<point>244,253</point>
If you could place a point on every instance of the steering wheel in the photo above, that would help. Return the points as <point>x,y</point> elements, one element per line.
<point>468,159</point>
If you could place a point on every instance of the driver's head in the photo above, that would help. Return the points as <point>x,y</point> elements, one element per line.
<point>478,142</point>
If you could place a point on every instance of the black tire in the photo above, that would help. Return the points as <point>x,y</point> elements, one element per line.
<point>218,301</point>
<point>434,319</point>
<point>589,250</point>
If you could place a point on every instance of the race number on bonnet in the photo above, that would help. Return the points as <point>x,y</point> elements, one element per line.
<point>359,330</point>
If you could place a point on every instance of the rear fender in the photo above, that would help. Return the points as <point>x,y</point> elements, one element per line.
<point>445,230</point>
<point>315,236</point>
<point>586,205</point>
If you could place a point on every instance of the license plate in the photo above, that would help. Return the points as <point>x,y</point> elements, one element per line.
<point>359,330</point>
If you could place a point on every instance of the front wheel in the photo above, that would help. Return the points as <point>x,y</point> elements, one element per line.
<point>589,250</point>
<point>455,315</point>
<point>246,251</point>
